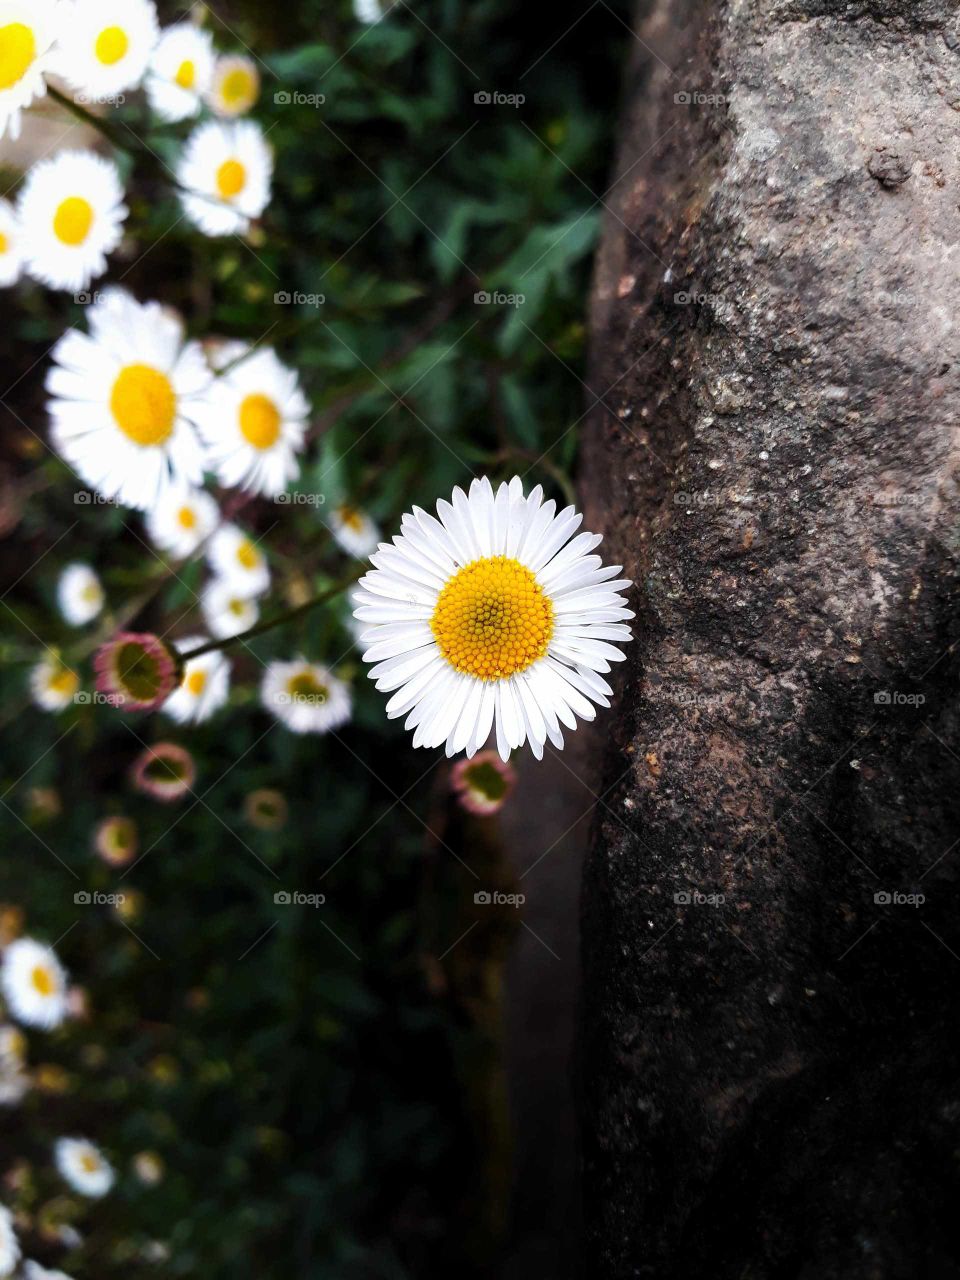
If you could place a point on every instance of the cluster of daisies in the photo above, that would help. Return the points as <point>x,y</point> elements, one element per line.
<point>36,994</point>
<point>70,212</point>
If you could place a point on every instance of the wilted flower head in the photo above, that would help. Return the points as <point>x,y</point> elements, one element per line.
<point>165,771</point>
<point>34,984</point>
<point>483,783</point>
<point>266,809</point>
<point>115,839</point>
<point>83,1166</point>
<point>137,671</point>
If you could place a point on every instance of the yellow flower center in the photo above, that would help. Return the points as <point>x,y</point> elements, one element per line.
<point>64,681</point>
<point>91,593</point>
<point>231,179</point>
<point>352,518</point>
<point>73,220</point>
<point>43,980</point>
<point>186,517</point>
<point>239,88</point>
<point>89,1163</point>
<point>259,421</point>
<point>248,555</point>
<point>186,74</point>
<point>112,44</point>
<point>238,607</point>
<point>195,682</point>
<point>492,619</point>
<point>144,404</point>
<point>305,687</point>
<point>4,243</point>
<point>18,48</point>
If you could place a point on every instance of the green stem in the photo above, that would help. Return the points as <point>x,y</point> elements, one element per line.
<point>268,625</point>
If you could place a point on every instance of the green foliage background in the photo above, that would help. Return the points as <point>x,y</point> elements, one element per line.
<point>296,1068</point>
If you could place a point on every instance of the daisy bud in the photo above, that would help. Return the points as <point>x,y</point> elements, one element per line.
<point>115,840</point>
<point>265,809</point>
<point>137,672</point>
<point>164,771</point>
<point>483,783</point>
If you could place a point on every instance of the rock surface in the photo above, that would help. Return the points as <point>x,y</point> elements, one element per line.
<point>771,955</point>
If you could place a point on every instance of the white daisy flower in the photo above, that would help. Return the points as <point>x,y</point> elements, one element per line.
<point>79,594</point>
<point>235,87</point>
<point>34,1271</point>
<point>105,46</point>
<point>123,400</point>
<point>253,421</point>
<point>227,612</point>
<point>83,1166</point>
<point>11,245</point>
<point>304,696</point>
<point>492,616</point>
<point>368,11</point>
<point>235,557</point>
<point>182,520</point>
<point>28,31</point>
<point>354,531</point>
<point>34,984</point>
<point>226,170</point>
<point>181,70</point>
<point>9,1245</point>
<point>53,685</point>
<point>205,685</point>
<point>71,215</point>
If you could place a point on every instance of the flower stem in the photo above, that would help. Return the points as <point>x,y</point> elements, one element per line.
<point>276,621</point>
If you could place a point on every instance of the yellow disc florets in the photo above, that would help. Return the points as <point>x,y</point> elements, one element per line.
<point>492,619</point>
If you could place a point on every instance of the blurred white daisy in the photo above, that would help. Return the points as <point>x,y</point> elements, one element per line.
<point>304,696</point>
<point>105,45</point>
<point>71,215</point>
<point>28,31</point>
<point>123,400</point>
<point>34,1271</point>
<point>368,11</point>
<point>235,86</point>
<point>226,170</point>
<point>181,520</point>
<point>252,421</point>
<point>53,684</point>
<point>354,531</point>
<point>493,616</point>
<point>9,1245</point>
<point>227,612</point>
<point>180,73</point>
<point>237,559</point>
<point>14,1079</point>
<point>34,984</point>
<point>11,245</point>
<point>79,594</point>
<point>204,687</point>
<point>83,1166</point>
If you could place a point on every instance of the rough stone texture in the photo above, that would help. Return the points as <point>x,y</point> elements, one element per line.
<point>770,1075</point>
